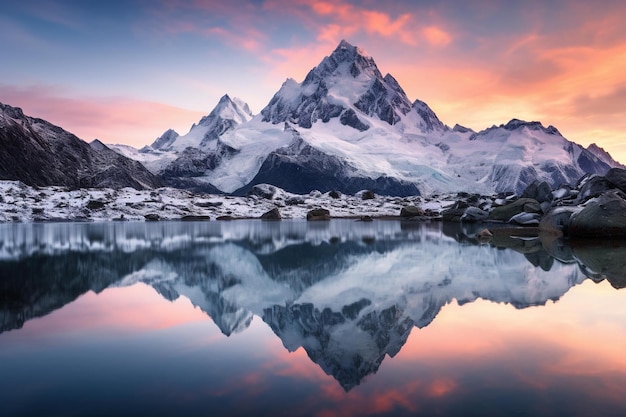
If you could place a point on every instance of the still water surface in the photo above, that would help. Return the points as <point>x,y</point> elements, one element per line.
<point>294,318</point>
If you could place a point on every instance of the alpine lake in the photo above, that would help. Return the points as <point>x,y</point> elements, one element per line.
<point>296,318</point>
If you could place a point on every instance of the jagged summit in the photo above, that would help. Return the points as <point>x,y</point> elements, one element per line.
<point>604,156</point>
<point>346,59</point>
<point>517,123</point>
<point>227,114</point>
<point>431,121</point>
<point>165,140</point>
<point>233,109</point>
<point>346,85</point>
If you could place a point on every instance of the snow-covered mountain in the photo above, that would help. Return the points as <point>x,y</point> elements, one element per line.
<point>348,127</point>
<point>182,161</point>
<point>38,153</point>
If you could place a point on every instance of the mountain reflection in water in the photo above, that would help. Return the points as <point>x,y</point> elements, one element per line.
<point>349,293</point>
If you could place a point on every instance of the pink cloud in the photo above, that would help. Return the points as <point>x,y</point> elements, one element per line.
<point>110,119</point>
<point>436,36</point>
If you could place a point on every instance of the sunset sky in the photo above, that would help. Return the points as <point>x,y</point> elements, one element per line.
<point>125,71</point>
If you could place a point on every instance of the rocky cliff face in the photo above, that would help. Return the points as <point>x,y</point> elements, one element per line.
<point>36,152</point>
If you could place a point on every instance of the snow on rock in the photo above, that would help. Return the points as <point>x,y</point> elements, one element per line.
<point>21,203</point>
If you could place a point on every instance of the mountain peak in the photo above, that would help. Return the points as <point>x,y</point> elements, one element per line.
<point>514,124</point>
<point>12,112</point>
<point>233,109</point>
<point>345,59</point>
<point>165,140</point>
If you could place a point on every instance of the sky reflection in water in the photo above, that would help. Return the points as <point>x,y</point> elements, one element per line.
<point>114,319</point>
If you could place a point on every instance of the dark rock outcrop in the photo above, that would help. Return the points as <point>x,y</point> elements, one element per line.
<point>273,214</point>
<point>318,214</point>
<point>301,168</point>
<point>39,153</point>
<point>604,216</point>
<point>411,211</point>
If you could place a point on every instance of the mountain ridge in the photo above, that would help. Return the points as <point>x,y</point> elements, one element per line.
<point>346,126</point>
<point>39,153</point>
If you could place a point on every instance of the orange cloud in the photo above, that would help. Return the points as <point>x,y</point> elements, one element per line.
<point>436,36</point>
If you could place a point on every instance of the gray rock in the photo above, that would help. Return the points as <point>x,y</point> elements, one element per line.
<point>592,187</point>
<point>557,220</point>
<point>273,214</point>
<point>538,190</point>
<point>474,214</point>
<point>152,217</point>
<point>193,218</point>
<point>526,219</point>
<point>294,201</point>
<point>602,217</point>
<point>318,214</point>
<point>368,195</point>
<point>505,213</point>
<point>95,204</point>
<point>411,211</point>
<point>263,190</point>
<point>617,177</point>
<point>225,217</point>
<point>207,204</point>
<point>452,214</point>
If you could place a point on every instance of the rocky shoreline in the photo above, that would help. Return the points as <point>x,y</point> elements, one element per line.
<point>595,207</point>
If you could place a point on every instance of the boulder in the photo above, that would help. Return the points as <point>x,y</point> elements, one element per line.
<point>526,219</point>
<point>556,220</point>
<point>617,177</point>
<point>334,194</point>
<point>294,201</point>
<point>273,214</point>
<point>505,213</point>
<point>194,218</point>
<point>411,211</point>
<point>538,190</point>
<point>225,217</point>
<point>452,214</point>
<point>318,214</point>
<point>594,186</point>
<point>474,214</point>
<point>152,217</point>
<point>604,216</point>
<point>367,195</point>
<point>95,204</point>
<point>266,191</point>
<point>207,204</point>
